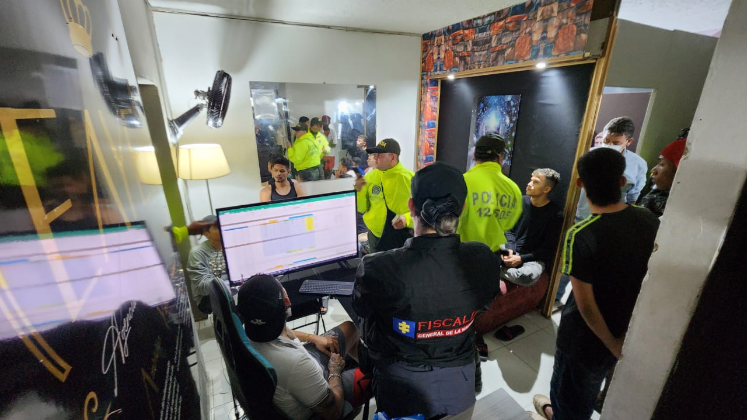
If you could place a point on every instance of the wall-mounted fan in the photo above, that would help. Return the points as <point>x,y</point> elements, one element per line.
<point>215,100</point>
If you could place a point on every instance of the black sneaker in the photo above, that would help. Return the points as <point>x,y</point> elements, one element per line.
<point>482,348</point>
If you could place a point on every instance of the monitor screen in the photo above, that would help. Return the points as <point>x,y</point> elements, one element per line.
<point>46,281</point>
<point>289,235</point>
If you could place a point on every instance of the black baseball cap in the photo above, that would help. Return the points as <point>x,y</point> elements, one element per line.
<point>300,127</point>
<point>438,182</point>
<point>303,119</point>
<point>315,121</point>
<point>491,144</point>
<point>385,146</point>
<point>262,308</point>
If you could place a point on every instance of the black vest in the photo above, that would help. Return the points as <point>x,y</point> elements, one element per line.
<point>419,302</point>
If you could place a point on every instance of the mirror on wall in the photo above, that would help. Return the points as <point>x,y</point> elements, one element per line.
<point>347,121</point>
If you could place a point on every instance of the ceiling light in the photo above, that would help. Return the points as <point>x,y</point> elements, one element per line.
<point>450,77</point>
<point>541,65</point>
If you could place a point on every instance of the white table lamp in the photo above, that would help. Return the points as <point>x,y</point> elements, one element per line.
<point>202,161</point>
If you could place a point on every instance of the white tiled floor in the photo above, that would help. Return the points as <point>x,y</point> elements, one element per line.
<point>523,366</point>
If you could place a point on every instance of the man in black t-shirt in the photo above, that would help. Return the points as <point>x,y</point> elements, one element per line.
<point>533,240</point>
<point>606,256</point>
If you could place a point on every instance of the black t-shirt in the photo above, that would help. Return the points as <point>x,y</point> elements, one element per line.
<point>363,156</point>
<point>535,236</point>
<point>610,251</point>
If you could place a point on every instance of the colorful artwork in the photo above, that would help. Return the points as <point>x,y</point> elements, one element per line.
<point>531,30</point>
<point>495,114</point>
<point>428,120</point>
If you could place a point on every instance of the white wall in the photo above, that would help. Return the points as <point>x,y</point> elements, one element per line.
<point>707,185</point>
<point>674,64</point>
<point>194,47</point>
<point>315,100</point>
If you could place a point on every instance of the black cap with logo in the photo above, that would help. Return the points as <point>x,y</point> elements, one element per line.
<point>386,146</point>
<point>491,144</point>
<point>300,127</point>
<point>262,308</point>
<point>315,121</point>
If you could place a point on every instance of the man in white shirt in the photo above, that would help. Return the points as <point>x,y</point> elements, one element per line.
<point>310,374</point>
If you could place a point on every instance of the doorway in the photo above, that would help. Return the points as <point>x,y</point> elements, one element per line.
<point>631,102</point>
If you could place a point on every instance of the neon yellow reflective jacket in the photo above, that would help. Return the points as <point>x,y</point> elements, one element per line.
<point>493,205</point>
<point>396,188</point>
<point>304,153</point>
<point>322,143</point>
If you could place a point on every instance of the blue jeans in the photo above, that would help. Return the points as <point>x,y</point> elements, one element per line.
<point>564,280</point>
<point>575,386</point>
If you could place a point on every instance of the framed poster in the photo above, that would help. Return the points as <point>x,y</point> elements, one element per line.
<point>494,114</point>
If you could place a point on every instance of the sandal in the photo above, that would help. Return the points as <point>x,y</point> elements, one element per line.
<point>540,403</point>
<point>507,333</point>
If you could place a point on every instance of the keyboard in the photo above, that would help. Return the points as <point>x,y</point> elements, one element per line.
<point>327,287</point>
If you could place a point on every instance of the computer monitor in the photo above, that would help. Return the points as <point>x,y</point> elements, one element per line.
<point>46,281</point>
<point>290,235</point>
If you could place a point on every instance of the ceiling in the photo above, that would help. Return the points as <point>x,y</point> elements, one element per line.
<point>420,16</point>
<point>704,17</point>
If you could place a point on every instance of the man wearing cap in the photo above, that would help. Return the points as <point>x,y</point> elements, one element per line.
<point>418,304</point>
<point>382,197</point>
<point>493,200</point>
<point>663,177</point>
<point>321,142</point>
<point>206,261</point>
<point>304,121</point>
<point>304,153</point>
<point>310,376</point>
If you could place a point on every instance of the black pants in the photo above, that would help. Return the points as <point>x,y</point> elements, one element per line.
<point>205,306</point>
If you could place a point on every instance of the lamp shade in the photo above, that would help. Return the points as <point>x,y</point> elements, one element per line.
<point>202,161</point>
<point>146,165</point>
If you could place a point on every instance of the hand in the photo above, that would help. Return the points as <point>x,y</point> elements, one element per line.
<point>336,363</point>
<point>399,222</point>
<point>617,347</point>
<point>360,182</point>
<point>288,144</point>
<point>512,260</point>
<point>326,345</point>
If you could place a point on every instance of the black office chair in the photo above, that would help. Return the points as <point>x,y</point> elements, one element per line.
<point>253,380</point>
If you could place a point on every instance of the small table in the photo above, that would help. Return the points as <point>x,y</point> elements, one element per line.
<point>498,405</point>
<point>305,304</point>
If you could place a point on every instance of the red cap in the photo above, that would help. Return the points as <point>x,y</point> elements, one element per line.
<point>674,151</point>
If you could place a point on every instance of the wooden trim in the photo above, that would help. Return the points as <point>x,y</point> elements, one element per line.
<point>438,117</point>
<point>416,161</point>
<point>523,66</point>
<point>584,143</point>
